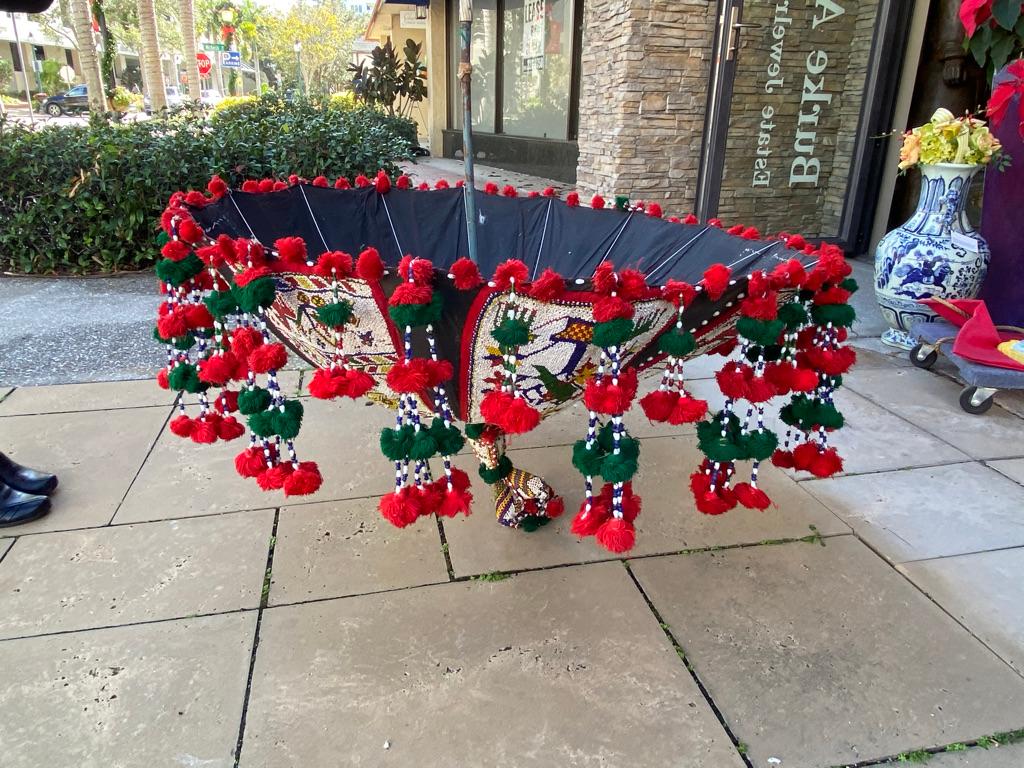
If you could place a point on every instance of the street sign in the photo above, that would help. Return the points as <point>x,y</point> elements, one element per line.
<point>204,63</point>
<point>213,46</point>
<point>231,59</point>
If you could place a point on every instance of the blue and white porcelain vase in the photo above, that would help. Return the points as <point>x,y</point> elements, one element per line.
<point>937,253</point>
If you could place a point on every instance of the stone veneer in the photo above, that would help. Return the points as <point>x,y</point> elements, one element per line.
<point>645,70</point>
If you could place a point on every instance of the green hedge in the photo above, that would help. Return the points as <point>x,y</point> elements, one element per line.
<point>83,199</point>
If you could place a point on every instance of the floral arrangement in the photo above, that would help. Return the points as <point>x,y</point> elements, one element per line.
<point>949,139</point>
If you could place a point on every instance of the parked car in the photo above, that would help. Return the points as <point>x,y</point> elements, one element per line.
<point>172,95</point>
<point>210,98</point>
<point>75,100</point>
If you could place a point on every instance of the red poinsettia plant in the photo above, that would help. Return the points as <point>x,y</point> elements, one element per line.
<point>995,31</point>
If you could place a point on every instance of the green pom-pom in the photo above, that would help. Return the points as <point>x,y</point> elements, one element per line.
<point>417,314</point>
<point>512,332</point>
<point>395,443</point>
<point>184,342</point>
<point>185,376</point>
<point>288,422</point>
<point>261,424</point>
<point>716,446</point>
<point>769,353</point>
<point>177,272</point>
<point>423,446</point>
<point>808,413</point>
<point>253,400</point>
<point>619,468</point>
<point>622,202</point>
<point>605,436</point>
<point>677,343</point>
<point>840,315</point>
<point>333,315</point>
<point>162,238</point>
<point>613,333</point>
<point>221,303</point>
<point>849,284</point>
<point>587,462</point>
<point>793,315</point>
<point>531,523</point>
<point>763,332</point>
<point>255,295</point>
<point>449,439</point>
<point>475,429</point>
<point>500,472</point>
<point>760,445</point>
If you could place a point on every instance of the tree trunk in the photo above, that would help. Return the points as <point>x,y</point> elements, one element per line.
<point>188,36</point>
<point>87,55</point>
<point>151,56</point>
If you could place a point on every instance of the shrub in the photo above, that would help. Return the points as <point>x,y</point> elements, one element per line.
<point>230,102</point>
<point>87,198</point>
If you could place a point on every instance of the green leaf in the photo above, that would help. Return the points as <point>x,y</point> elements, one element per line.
<point>1001,50</point>
<point>1006,12</point>
<point>980,44</point>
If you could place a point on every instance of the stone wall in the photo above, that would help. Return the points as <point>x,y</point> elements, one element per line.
<point>645,69</point>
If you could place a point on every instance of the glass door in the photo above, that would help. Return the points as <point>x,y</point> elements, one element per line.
<point>800,95</point>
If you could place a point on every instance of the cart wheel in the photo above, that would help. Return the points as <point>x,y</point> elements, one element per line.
<point>923,360</point>
<point>970,404</point>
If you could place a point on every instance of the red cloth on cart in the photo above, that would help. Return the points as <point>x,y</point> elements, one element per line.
<point>978,339</point>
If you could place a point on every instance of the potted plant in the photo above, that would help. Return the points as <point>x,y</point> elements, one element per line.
<point>937,252</point>
<point>121,100</point>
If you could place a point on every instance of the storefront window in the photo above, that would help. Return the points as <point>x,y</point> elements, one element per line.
<point>484,57</point>
<point>537,67</point>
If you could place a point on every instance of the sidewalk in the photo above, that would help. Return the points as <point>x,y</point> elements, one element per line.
<point>168,613</point>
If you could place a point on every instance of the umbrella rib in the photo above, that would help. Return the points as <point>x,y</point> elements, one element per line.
<point>315,224</point>
<point>678,251</point>
<point>245,220</point>
<point>393,232</point>
<point>543,234</point>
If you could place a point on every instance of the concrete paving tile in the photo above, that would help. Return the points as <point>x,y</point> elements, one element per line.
<point>58,582</point>
<point>669,522</point>
<point>931,402</point>
<point>96,455</point>
<point>5,544</point>
<point>1012,401</point>
<point>916,514</point>
<point>4,392</point>
<point>182,479</point>
<point>824,656</point>
<point>164,694</point>
<point>1009,756</point>
<point>1012,468</point>
<point>338,548</point>
<point>984,591</point>
<point>561,668</point>
<point>61,398</point>
<point>872,353</point>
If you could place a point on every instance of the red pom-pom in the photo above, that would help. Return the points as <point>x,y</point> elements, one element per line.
<point>294,179</point>
<point>410,293</point>
<point>369,265</point>
<point>250,462</point>
<point>421,270</point>
<point>227,401</point>
<point>246,276</point>
<point>357,383</point>
<point>679,293</point>
<point>230,428</point>
<point>455,501</point>
<point>217,187</point>
<point>218,369</point>
<point>765,307</point>
<point>751,497</point>
<point>324,383</point>
<point>466,274</point>
<point>597,202</point>
<point>716,280</point>
<point>249,252</point>
<point>403,182</point>
<point>688,410</point>
<point>710,502</point>
<point>616,535</point>
<point>603,279</point>
<point>304,480</point>
<point>269,185</point>
<point>783,459</point>
<point>588,521</point>
<point>607,398</point>
<point>196,199</point>
<point>760,390</point>
<point>803,380</point>
<point>509,191</point>
<point>832,295</point>
<point>244,340</point>
<point>780,375</point>
<point>715,223</point>
<point>631,503</point>
<point>291,249</point>
<point>796,241</point>
<point>409,376</point>
<point>519,417</point>
<point>832,362</point>
<point>826,464</point>
<point>554,508</point>
<point>658,404</point>
<point>205,430</point>
<point>400,508</point>
<point>548,287</point>
<point>342,183</point>
<point>490,188</point>
<point>189,231</point>
<point>382,183</point>
<point>509,271</point>
<point>690,219</point>
<point>653,209</point>
<point>734,380</point>
<point>251,186</point>
<point>267,357</point>
<point>197,316</point>
<point>572,199</point>
<point>438,372</point>
<point>632,284</point>
<point>804,456</point>
<point>789,274</point>
<point>334,263</point>
<point>532,194</point>
<point>362,182</point>
<point>273,479</point>
<point>494,404</point>
<point>612,308</point>
<point>175,250</point>
<point>211,255</point>
<point>173,325</point>
<point>161,379</point>
<point>735,229</point>
<point>443,184</point>
<point>321,181</point>
<point>750,233</point>
<point>182,425</point>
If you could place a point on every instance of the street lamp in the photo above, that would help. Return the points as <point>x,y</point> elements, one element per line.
<point>421,12</point>
<point>298,66</point>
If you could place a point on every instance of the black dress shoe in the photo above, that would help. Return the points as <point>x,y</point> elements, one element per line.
<point>24,479</point>
<point>17,507</point>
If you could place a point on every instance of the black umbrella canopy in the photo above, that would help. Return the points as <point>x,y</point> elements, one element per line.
<point>25,6</point>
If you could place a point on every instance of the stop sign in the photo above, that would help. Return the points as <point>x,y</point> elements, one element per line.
<point>204,63</point>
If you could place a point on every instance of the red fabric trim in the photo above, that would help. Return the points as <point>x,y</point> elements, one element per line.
<point>466,347</point>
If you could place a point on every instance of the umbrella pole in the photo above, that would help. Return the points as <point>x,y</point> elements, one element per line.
<point>465,76</point>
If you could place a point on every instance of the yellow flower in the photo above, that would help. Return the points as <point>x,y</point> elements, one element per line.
<point>910,152</point>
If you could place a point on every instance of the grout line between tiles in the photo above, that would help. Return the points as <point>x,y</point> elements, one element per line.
<point>264,600</point>
<point>968,744</point>
<point>142,464</point>
<point>444,549</point>
<point>6,552</point>
<point>809,480</point>
<point>681,652</point>
<point>88,410</point>
<point>939,558</point>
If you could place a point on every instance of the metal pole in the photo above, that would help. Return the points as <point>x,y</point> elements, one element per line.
<point>24,72</point>
<point>465,78</point>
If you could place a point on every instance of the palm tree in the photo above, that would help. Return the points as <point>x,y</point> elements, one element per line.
<point>87,56</point>
<point>154,75</point>
<point>188,34</point>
